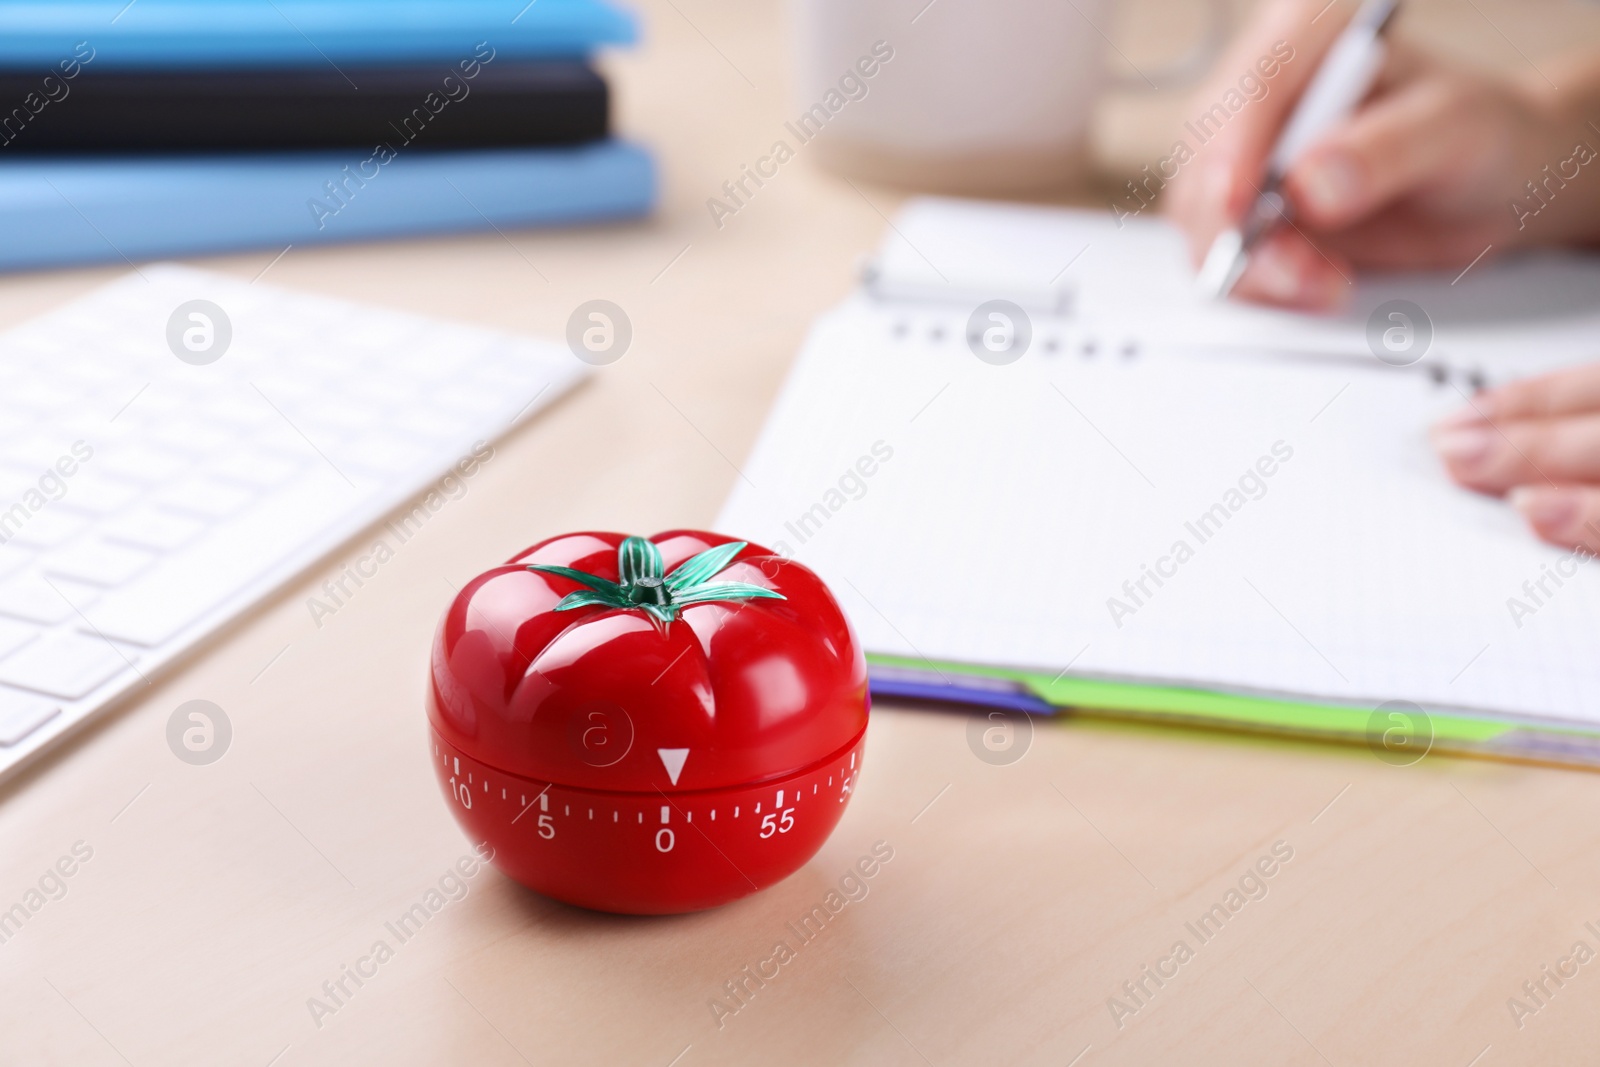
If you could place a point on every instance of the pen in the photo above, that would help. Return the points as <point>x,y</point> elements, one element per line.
<point>1345,76</point>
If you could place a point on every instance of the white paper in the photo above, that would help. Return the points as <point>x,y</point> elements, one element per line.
<point>993,514</point>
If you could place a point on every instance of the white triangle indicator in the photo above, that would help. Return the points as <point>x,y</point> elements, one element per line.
<point>672,759</point>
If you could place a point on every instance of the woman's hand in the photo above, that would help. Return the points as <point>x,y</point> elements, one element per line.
<point>1424,174</point>
<point>1539,441</point>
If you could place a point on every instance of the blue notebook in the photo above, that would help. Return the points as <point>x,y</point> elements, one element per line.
<point>231,33</point>
<point>55,212</point>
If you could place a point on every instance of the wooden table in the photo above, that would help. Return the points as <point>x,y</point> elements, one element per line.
<point>1404,906</point>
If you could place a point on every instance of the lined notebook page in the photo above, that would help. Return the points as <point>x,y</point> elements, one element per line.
<point>1117,508</point>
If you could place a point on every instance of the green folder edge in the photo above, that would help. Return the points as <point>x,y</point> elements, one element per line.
<point>1452,732</point>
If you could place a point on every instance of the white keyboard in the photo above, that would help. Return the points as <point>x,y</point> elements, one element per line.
<point>147,496</point>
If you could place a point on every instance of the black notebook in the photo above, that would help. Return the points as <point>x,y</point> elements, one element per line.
<point>434,106</point>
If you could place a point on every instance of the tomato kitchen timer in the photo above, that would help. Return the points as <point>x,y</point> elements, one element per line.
<point>647,726</point>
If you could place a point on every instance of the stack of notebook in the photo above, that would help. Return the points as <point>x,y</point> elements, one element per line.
<point>170,127</point>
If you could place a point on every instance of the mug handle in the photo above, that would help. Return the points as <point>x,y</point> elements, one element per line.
<point>1189,68</point>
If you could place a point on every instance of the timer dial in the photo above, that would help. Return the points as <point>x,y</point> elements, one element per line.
<point>647,725</point>
<point>656,853</point>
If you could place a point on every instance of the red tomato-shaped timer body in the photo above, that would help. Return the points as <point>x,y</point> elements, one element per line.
<point>647,726</point>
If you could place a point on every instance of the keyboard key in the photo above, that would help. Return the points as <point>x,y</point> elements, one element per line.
<point>142,463</point>
<point>326,420</point>
<point>207,497</point>
<point>13,635</point>
<point>40,395</point>
<point>37,451</point>
<point>66,665</point>
<point>151,527</point>
<point>97,562</point>
<point>183,587</point>
<point>475,402</point>
<point>85,425</point>
<point>432,426</point>
<point>384,394</point>
<point>193,436</point>
<point>428,363</point>
<point>98,494</point>
<point>29,596</point>
<point>387,340</point>
<point>245,410</point>
<point>21,714</point>
<point>91,376</point>
<point>16,481</point>
<point>13,558</point>
<point>385,454</point>
<point>283,388</point>
<point>41,529</point>
<point>254,467</point>
<point>155,405</point>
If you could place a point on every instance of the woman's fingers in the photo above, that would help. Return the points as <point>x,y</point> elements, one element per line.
<point>1568,516</point>
<point>1397,144</point>
<point>1287,38</point>
<point>1494,457</point>
<point>1399,237</point>
<point>1288,270</point>
<point>1565,392</point>
<point>1539,439</point>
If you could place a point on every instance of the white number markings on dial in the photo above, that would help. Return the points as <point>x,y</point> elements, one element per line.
<point>777,823</point>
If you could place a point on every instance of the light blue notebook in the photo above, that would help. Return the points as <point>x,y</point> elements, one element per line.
<point>230,33</point>
<point>59,212</point>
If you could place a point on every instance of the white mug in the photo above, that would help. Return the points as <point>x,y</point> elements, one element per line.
<point>976,96</point>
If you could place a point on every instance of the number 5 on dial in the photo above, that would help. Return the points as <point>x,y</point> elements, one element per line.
<point>773,823</point>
